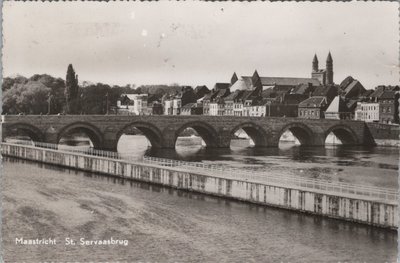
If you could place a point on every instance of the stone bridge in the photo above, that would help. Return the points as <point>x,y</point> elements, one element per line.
<point>163,131</point>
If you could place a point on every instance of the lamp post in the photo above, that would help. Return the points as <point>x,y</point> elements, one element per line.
<point>269,108</point>
<point>49,104</point>
<point>82,103</point>
<point>107,103</point>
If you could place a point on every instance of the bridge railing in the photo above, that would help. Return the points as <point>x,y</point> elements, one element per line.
<point>62,147</point>
<point>236,173</point>
<point>287,180</point>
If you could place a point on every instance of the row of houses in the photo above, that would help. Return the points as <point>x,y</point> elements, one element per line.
<point>257,96</point>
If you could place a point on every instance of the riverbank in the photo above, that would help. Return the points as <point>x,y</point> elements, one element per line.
<point>356,203</point>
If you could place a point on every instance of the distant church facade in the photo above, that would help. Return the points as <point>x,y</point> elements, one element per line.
<point>325,76</point>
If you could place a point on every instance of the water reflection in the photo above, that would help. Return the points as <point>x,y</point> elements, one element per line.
<point>375,166</point>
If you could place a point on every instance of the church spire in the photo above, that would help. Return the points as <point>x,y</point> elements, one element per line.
<point>234,78</point>
<point>329,69</point>
<point>315,63</point>
<point>256,80</point>
<point>329,58</point>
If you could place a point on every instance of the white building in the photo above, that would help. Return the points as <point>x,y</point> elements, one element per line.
<point>257,110</point>
<point>367,111</point>
<point>237,109</point>
<point>168,108</point>
<point>217,109</point>
<point>135,104</point>
<point>176,106</point>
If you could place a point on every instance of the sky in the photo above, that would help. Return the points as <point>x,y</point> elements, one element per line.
<point>200,43</point>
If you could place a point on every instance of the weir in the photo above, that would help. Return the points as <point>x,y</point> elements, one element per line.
<point>357,203</point>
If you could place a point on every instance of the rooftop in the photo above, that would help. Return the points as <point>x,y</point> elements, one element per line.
<point>338,105</point>
<point>284,81</point>
<point>315,102</point>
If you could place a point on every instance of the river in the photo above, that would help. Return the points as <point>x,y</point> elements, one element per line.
<point>165,225</point>
<point>376,166</point>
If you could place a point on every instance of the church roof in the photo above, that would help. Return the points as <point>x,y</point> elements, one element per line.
<point>282,81</point>
<point>241,84</point>
<point>338,105</point>
<point>322,90</point>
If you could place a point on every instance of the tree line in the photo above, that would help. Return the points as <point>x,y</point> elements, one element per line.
<point>44,94</point>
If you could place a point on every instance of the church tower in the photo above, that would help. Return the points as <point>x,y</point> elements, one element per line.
<point>315,64</point>
<point>329,69</point>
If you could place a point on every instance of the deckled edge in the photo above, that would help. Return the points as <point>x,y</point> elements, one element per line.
<point>398,175</point>
<point>1,128</point>
<point>1,79</point>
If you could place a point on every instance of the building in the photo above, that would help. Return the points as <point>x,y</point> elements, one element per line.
<point>248,98</point>
<point>303,89</point>
<point>216,104</point>
<point>201,91</point>
<point>329,92</point>
<point>379,91</point>
<point>280,83</point>
<point>259,108</point>
<point>168,104</point>
<point>156,108</point>
<point>389,107</point>
<point>367,111</point>
<point>206,103</point>
<point>230,101</point>
<point>217,107</point>
<point>135,104</point>
<point>173,102</point>
<point>176,105</point>
<point>238,108</point>
<point>221,86</point>
<point>338,110</point>
<point>324,76</point>
<point>192,109</point>
<point>351,88</point>
<point>313,108</point>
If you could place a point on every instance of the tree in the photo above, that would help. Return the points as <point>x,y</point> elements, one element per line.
<point>71,91</point>
<point>28,98</point>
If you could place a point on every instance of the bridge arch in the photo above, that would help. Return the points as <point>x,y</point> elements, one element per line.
<point>300,130</point>
<point>20,128</point>
<point>90,130</point>
<point>152,133</point>
<point>206,132</point>
<point>344,133</point>
<point>254,131</point>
